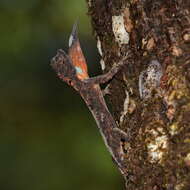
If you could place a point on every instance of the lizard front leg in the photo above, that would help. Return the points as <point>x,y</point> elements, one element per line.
<point>109,75</point>
<point>120,138</point>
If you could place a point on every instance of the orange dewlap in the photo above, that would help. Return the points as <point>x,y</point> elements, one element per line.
<point>78,60</point>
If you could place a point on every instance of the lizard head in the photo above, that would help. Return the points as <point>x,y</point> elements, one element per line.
<point>63,66</point>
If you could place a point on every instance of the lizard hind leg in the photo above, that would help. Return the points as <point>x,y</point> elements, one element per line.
<point>119,138</point>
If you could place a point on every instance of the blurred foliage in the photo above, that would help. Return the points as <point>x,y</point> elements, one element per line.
<point>48,139</point>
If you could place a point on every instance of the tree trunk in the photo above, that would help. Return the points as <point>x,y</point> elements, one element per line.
<point>150,98</point>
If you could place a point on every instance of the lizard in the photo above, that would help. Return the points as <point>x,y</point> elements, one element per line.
<point>72,69</point>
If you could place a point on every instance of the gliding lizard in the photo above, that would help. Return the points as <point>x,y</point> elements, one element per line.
<point>72,69</point>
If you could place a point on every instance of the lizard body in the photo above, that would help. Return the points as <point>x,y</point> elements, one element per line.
<point>72,69</point>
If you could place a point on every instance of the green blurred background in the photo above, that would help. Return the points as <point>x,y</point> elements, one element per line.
<point>48,138</point>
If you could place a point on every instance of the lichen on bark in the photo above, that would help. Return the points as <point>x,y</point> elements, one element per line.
<point>158,152</point>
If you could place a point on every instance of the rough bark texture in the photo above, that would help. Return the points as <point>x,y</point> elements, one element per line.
<point>150,98</point>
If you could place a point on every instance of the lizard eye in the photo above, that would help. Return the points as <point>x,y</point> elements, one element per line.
<point>69,82</point>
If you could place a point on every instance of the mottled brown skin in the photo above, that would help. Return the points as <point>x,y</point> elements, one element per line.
<point>90,91</point>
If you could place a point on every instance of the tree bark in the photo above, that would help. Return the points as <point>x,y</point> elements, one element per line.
<point>150,98</point>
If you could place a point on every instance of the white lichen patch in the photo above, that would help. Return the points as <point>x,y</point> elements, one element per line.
<point>99,46</point>
<point>157,145</point>
<point>118,27</point>
<point>149,79</point>
<point>102,63</point>
<point>125,107</point>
